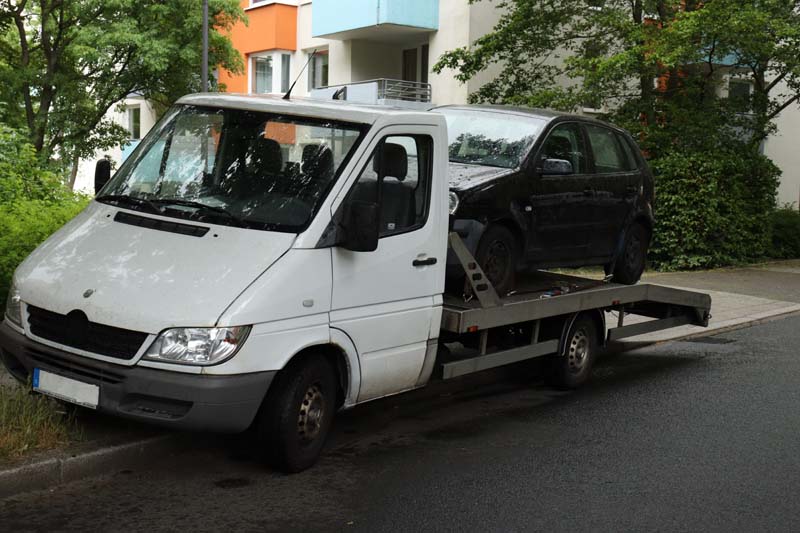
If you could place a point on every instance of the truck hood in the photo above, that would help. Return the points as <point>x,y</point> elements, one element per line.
<point>144,279</point>
<point>464,177</point>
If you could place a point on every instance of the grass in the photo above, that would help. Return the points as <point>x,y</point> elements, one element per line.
<point>31,423</point>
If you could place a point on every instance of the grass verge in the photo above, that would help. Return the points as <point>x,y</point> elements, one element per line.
<point>32,422</point>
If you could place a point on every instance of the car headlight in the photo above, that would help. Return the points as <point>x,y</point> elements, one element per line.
<point>453,202</point>
<point>197,346</point>
<point>14,307</point>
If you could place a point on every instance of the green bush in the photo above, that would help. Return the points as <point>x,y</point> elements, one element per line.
<point>24,225</point>
<point>34,203</point>
<point>785,233</point>
<point>712,208</point>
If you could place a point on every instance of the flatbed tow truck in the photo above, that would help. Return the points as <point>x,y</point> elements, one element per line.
<point>263,263</point>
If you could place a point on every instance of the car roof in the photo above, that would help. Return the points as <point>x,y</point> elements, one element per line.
<point>545,114</point>
<point>329,109</point>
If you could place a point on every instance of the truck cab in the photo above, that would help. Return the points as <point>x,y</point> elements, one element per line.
<point>247,241</point>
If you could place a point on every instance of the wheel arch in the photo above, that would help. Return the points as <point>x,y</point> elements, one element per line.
<point>347,377</point>
<point>599,319</point>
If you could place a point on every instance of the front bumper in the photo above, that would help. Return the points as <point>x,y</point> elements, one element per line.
<point>226,404</point>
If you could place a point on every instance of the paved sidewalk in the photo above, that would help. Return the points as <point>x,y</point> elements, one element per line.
<point>739,296</point>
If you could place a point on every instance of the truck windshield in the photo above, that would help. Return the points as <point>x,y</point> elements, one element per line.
<point>235,167</point>
<point>491,139</point>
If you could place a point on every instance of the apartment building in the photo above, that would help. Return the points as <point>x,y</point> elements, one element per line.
<point>391,44</point>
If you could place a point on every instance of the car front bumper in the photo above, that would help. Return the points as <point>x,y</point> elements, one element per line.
<point>225,404</point>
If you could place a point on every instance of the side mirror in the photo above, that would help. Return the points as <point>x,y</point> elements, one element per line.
<point>557,167</point>
<point>102,174</point>
<point>360,224</point>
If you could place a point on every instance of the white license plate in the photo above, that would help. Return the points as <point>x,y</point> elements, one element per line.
<point>69,390</point>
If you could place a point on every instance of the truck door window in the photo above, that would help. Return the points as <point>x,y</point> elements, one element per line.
<point>566,142</point>
<point>398,178</point>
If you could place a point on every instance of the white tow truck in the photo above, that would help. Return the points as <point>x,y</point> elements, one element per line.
<point>267,262</point>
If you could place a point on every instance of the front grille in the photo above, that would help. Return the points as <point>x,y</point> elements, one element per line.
<point>97,338</point>
<point>63,365</point>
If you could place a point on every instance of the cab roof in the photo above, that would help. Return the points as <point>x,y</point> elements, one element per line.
<point>300,106</point>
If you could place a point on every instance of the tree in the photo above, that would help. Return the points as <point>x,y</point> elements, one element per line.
<point>65,63</point>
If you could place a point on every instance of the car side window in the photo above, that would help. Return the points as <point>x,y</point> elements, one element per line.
<point>633,162</point>
<point>398,178</point>
<point>565,142</point>
<point>608,154</point>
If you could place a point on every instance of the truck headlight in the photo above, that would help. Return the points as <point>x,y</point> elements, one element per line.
<point>453,202</point>
<point>197,346</point>
<point>14,306</point>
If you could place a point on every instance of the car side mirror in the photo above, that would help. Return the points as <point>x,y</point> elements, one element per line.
<point>359,223</point>
<point>102,174</point>
<point>557,167</point>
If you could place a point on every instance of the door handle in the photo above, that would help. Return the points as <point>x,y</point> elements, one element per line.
<point>424,262</point>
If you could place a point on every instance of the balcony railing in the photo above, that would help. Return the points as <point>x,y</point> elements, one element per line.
<point>382,91</point>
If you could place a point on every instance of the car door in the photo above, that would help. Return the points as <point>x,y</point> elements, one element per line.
<point>389,301</point>
<point>561,205</point>
<point>616,184</point>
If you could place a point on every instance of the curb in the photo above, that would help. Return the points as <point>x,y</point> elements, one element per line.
<point>51,472</point>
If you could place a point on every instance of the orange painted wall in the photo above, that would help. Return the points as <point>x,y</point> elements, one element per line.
<point>270,27</point>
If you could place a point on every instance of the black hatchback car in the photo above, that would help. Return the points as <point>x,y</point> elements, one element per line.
<point>539,189</point>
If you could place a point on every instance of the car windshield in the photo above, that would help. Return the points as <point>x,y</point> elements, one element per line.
<point>491,139</point>
<point>235,167</point>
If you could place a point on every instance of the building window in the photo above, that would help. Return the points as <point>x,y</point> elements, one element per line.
<point>739,92</point>
<point>270,72</point>
<point>318,76</point>
<point>262,78</point>
<point>135,122</point>
<point>286,72</point>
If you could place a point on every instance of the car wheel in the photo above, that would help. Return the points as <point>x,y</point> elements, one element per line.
<point>298,414</point>
<point>630,264</point>
<point>497,254</point>
<point>573,367</point>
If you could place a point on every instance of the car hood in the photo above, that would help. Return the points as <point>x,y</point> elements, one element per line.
<point>144,279</point>
<point>464,177</point>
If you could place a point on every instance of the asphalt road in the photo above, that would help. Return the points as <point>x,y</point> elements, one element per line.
<point>683,436</point>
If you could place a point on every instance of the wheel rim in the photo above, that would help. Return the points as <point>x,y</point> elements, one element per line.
<point>633,252</point>
<point>498,259</point>
<point>579,351</point>
<point>312,413</point>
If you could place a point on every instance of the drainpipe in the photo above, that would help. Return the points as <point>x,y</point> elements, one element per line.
<point>204,65</point>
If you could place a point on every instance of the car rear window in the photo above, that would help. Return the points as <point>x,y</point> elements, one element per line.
<point>608,153</point>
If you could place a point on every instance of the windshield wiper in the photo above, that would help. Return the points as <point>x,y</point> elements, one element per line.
<point>205,207</point>
<point>124,199</point>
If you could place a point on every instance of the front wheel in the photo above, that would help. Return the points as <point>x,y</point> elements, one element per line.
<point>573,366</point>
<point>297,414</point>
<point>630,264</point>
<point>497,254</point>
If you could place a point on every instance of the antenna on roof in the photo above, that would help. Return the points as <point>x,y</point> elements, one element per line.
<point>288,95</point>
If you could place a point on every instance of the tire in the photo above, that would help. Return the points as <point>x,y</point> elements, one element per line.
<point>498,253</point>
<point>291,435</point>
<point>630,264</point>
<point>572,369</point>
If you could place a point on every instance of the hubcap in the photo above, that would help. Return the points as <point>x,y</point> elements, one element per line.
<point>578,351</point>
<point>312,411</point>
<point>497,261</point>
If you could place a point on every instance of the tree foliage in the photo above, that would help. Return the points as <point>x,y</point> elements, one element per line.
<point>662,69</point>
<point>65,63</point>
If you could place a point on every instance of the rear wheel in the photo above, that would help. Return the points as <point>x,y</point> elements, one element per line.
<point>497,255</point>
<point>297,414</point>
<point>630,264</point>
<point>573,367</point>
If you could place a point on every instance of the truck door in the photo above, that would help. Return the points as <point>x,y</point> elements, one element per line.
<point>389,301</point>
